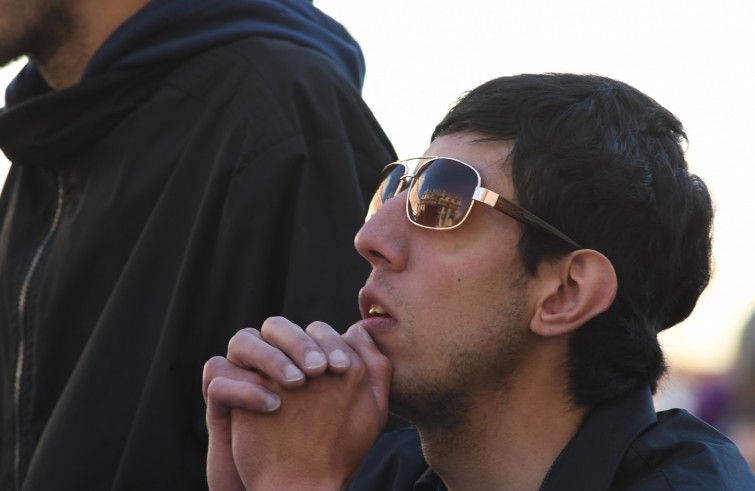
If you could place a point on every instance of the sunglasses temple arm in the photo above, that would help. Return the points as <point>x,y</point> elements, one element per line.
<point>498,202</point>
<point>528,218</point>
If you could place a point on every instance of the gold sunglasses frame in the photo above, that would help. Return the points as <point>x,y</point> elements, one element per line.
<point>480,194</point>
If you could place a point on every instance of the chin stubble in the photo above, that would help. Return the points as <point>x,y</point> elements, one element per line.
<point>446,401</point>
<point>39,30</point>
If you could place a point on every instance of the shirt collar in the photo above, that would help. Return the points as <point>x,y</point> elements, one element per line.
<point>590,460</point>
<point>429,481</point>
<point>600,443</point>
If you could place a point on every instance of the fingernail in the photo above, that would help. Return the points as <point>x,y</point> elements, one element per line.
<point>314,359</point>
<point>292,373</point>
<point>338,359</point>
<point>272,402</point>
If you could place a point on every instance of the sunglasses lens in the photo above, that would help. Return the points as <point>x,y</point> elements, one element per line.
<point>390,180</point>
<point>441,195</point>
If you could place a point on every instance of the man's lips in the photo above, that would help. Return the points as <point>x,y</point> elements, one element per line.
<point>371,306</point>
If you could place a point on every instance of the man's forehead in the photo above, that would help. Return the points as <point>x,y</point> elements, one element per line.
<point>489,155</point>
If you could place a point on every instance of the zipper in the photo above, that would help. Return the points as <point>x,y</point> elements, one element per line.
<point>21,347</point>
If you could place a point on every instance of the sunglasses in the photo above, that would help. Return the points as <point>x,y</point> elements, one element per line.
<point>441,191</point>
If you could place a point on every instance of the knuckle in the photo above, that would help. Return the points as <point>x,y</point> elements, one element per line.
<point>214,365</point>
<point>319,329</point>
<point>235,342</point>
<point>250,330</point>
<point>272,323</point>
<point>212,388</point>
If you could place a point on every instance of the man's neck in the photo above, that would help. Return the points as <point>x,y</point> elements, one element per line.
<point>509,440</point>
<point>94,21</point>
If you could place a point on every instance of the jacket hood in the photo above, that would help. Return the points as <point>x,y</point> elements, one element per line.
<point>166,30</point>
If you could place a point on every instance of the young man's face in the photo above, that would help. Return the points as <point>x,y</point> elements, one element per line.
<point>457,300</point>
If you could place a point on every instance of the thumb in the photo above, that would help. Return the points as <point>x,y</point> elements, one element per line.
<point>379,368</point>
<point>221,469</point>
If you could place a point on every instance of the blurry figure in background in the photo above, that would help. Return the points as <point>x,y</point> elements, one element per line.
<point>728,402</point>
<point>180,168</point>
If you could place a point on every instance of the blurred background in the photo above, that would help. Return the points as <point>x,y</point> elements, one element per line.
<point>695,58</point>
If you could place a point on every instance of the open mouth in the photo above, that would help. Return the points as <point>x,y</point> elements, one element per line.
<point>377,311</point>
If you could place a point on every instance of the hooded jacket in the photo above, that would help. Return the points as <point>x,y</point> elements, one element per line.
<point>209,171</point>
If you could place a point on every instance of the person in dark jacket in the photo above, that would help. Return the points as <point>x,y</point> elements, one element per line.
<point>180,169</point>
<point>521,272</point>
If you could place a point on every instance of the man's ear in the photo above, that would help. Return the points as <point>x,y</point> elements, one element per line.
<point>575,289</point>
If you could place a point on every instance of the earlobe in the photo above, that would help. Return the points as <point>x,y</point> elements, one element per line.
<point>576,288</point>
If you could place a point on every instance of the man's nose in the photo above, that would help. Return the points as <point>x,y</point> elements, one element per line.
<point>383,239</point>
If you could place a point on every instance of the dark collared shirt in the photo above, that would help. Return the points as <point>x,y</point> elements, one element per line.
<point>622,445</point>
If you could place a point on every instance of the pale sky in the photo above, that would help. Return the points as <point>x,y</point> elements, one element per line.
<point>695,58</point>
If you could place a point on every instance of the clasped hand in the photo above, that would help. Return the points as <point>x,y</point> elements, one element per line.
<point>293,409</point>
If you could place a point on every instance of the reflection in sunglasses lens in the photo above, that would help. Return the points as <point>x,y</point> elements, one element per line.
<point>389,183</point>
<point>441,195</point>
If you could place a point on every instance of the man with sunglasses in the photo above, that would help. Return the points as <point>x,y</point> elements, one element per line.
<point>521,272</point>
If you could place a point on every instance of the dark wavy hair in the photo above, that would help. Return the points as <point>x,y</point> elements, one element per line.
<point>604,163</point>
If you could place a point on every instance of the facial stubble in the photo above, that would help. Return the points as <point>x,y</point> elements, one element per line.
<point>445,400</point>
<point>34,28</point>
